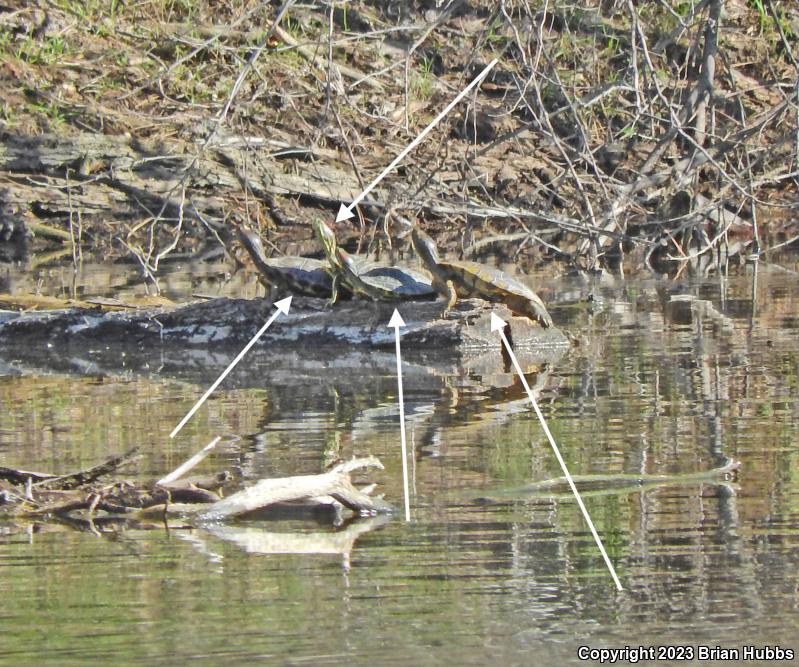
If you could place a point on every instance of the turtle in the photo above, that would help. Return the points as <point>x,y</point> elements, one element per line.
<point>367,278</point>
<point>358,264</point>
<point>467,279</point>
<point>327,238</point>
<point>301,275</point>
<point>384,283</point>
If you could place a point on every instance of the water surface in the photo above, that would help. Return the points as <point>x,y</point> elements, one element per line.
<point>671,378</point>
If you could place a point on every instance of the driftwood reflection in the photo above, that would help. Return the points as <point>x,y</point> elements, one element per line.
<point>257,539</point>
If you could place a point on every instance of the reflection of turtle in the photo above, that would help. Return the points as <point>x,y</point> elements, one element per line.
<point>299,275</point>
<point>471,279</point>
<point>384,283</point>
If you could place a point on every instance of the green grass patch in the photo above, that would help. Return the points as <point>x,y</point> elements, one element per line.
<point>46,52</point>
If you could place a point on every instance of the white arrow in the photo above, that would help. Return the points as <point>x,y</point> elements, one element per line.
<point>282,307</point>
<point>345,212</point>
<point>396,322</point>
<point>498,324</point>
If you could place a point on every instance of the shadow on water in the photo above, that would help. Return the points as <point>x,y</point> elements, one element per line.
<point>669,380</point>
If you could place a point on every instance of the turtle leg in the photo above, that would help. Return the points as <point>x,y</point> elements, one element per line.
<point>537,311</point>
<point>270,289</point>
<point>452,296</point>
<point>377,311</point>
<point>333,293</point>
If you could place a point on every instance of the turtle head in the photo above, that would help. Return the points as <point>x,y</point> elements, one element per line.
<point>250,240</point>
<point>425,247</point>
<point>344,260</point>
<point>327,238</point>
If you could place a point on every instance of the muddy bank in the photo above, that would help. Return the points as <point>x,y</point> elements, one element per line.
<point>631,134</point>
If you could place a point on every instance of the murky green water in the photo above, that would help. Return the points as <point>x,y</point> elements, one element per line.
<point>669,379</point>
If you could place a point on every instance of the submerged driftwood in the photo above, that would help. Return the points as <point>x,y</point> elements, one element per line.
<point>618,484</point>
<point>234,321</point>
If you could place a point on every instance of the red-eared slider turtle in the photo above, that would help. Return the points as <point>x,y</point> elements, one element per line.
<point>384,283</point>
<point>300,275</point>
<point>472,279</point>
<point>358,265</point>
<point>370,279</point>
<point>329,243</point>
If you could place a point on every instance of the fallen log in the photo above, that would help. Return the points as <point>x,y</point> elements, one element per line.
<point>84,477</point>
<point>126,178</point>
<point>317,489</point>
<point>224,321</point>
<point>18,476</point>
<point>69,480</point>
<point>39,302</point>
<point>74,496</point>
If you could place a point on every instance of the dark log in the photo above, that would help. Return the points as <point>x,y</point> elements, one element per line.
<point>70,480</point>
<point>83,477</point>
<point>221,322</point>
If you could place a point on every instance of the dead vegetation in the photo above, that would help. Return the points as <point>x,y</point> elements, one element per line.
<point>80,498</point>
<point>610,134</point>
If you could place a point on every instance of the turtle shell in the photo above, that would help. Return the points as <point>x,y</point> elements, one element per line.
<point>301,275</point>
<point>385,282</point>
<point>472,279</point>
<point>475,279</point>
<point>400,281</point>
